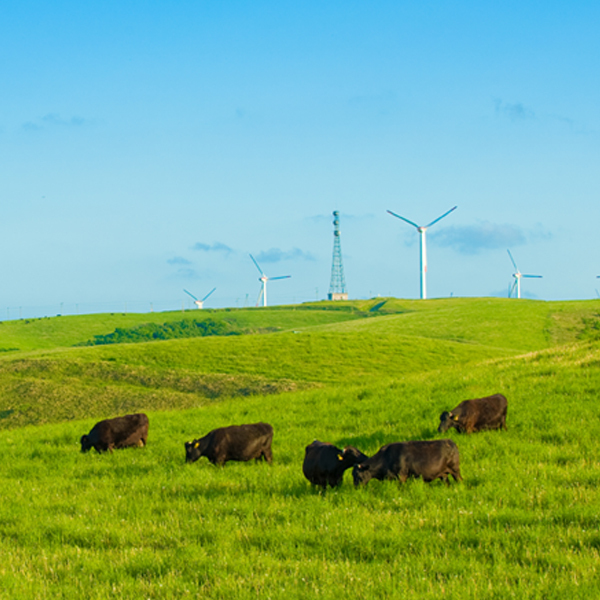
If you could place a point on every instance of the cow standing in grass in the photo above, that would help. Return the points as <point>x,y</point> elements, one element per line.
<point>437,459</point>
<point>236,442</point>
<point>324,464</point>
<point>120,432</point>
<point>476,415</point>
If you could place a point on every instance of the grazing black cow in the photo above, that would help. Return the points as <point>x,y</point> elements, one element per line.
<point>401,460</point>
<point>120,432</point>
<point>476,415</point>
<point>236,442</point>
<point>325,463</point>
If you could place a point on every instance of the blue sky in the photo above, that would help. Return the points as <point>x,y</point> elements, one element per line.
<point>148,147</point>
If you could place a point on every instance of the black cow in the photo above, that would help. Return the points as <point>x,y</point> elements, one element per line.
<point>120,432</point>
<point>401,460</point>
<point>236,442</point>
<point>476,415</point>
<point>325,463</point>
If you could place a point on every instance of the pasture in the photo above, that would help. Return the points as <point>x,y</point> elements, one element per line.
<point>141,523</point>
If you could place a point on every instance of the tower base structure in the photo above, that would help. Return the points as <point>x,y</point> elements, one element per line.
<point>337,296</point>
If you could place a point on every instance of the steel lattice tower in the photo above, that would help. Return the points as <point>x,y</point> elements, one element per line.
<point>337,287</point>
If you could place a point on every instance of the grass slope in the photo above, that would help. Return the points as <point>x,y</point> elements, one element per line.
<point>141,523</point>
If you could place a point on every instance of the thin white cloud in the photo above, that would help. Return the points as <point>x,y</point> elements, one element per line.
<point>178,260</point>
<point>216,247</point>
<point>473,239</point>
<point>54,120</point>
<point>514,111</point>
<point>274,255</point>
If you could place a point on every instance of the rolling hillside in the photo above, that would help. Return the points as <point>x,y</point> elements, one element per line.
<point>141,523</point>
<point>45,378</point>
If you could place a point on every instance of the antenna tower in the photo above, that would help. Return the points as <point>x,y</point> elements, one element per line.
<point>337,287</point>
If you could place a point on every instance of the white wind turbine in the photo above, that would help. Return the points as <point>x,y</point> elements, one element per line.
<point>422,229</point>
<point>199,303</point>
<point>263,280</point>
<point>518,276</point>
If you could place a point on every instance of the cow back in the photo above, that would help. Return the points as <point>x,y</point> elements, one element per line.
<point>119,432</point>
<point>235,442</point>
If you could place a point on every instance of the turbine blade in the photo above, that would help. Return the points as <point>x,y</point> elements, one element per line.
<point>405,220</point>
<point>513,261</point>
<point>209,293</point>
<point>190,294</point>
<point>512,289</point>
<point>440,218</point>
<point>532,276</point>
<point>280,277</point>
<point>259,269</point>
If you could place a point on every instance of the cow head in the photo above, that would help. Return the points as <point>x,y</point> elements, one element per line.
<point>352,456</point>
<point>361,474</point>
<point>85,443</point>
<point>447,420</point>
<point>194,450</point>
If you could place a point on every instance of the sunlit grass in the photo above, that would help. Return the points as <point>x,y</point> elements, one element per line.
<point>141,523</point>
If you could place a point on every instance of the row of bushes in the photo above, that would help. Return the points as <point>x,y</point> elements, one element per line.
<point>167,331</point>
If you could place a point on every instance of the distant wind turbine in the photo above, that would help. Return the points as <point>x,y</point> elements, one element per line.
<point>263,280</point>
<point>518,276</point>
<point>199,303</point>
<point>422,229</point>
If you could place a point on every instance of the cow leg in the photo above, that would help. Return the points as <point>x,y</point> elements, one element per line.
<point>456,474</point>
<point>268,455</point>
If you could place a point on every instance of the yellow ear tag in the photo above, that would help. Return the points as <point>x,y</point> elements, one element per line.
<point>455,417</point>
<point>197,444</point>
<point>340,457</point>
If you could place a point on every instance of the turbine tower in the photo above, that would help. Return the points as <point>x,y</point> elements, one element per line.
<point>199,303</point>
<point>518,276</point>
<point>422,229</point>
<point>337,287</point>
<point>263,280</point>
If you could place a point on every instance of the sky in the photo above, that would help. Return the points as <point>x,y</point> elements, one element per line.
<point>147,148</point>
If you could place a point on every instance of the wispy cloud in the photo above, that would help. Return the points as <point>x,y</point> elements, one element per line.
<point>274,255</point>
<point>472,239</point>
<point>187,273</point>
<point>54,120</point>
<point>216,247</point>
<point>178,260</point>
<point>514,111</point>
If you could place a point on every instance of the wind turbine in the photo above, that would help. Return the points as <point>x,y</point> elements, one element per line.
<point>422,229</point>
<point>518,276</point>
<point>263,280</point>
<point>199,303</point>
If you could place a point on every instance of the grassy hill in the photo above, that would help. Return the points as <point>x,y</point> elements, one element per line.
<point>140,523</point>
<point>281,349</point>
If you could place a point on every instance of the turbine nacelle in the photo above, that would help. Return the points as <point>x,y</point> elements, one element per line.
<point>199,303</point>
<point>518,276</point>
<point>422,229</point>
<point>263,280</point>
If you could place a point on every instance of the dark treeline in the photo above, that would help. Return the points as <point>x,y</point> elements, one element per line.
<point>167,331</point>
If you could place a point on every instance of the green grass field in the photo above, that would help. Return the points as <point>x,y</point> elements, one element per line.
<point>141,523</point>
